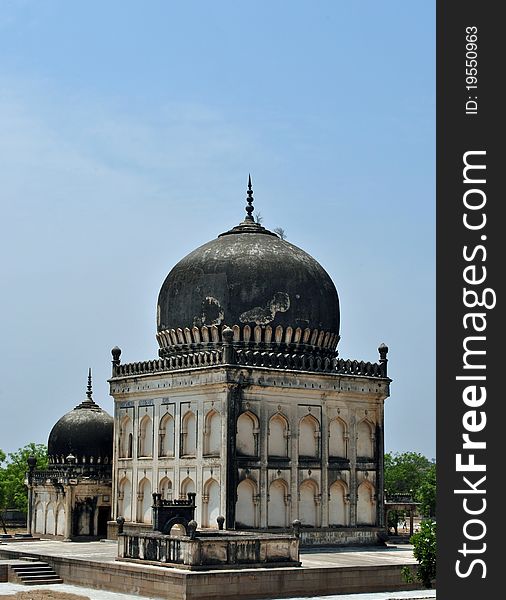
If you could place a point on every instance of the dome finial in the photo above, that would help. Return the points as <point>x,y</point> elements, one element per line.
<point>249,199</point>
<point>89,390</point>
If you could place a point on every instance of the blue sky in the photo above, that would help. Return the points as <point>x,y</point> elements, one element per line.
<point>127,132</point>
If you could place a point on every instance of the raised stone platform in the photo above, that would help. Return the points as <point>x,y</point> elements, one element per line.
<point>323,572</point>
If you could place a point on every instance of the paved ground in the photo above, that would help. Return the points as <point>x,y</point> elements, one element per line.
<point>12,588</point>
<point>105,551</point>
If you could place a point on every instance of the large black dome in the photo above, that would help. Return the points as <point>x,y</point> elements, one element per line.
<point>86,432</point>
<point>251,280</point>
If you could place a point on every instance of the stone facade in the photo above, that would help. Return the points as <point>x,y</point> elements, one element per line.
<point>72,502</point>
<point>260,446</point>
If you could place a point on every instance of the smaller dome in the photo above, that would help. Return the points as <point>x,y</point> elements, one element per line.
<point>86,432</point>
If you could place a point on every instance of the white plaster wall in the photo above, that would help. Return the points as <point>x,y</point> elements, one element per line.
<point>145,501</point>
<point>364,440</point>
<point>146,436</point>
<point>308,440</point>
<point>276,506</point>
<point>125,500</point>
<point>40,525</point>
<point>189,434</point>
<point>167,436</point>
<point>277,436</point>
<point>337,506</point>
<point>307,505</point>
<point>366,510</point>
<point>50,520</point>
<point>60,521</point>
<point>337,444</point>
<point>213,433</point>
<point>245,441</point>
<point>212,490</point>
<point>245,506</point>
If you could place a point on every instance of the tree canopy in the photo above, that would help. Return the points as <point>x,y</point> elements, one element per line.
<point>412,473</point>
<point>13,469</point>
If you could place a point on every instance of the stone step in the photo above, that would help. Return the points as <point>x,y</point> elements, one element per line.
<point>34,573</point>
<point>43,581</point>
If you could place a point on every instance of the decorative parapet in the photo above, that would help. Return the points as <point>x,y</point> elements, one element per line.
<point>211,549</point>
<point>184,339</point>
<point>229,354</point>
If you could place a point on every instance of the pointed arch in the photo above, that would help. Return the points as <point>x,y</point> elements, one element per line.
<point>247,434</point>
<point>125,498</point>
<point>189,434</point>
<point>126,437</point>
<point>365,439</point>
<point>309,436</point>
<point>278,435</point>
<point>277,505</point>
<point>60,519</point>
<point>40,521</point>
<point>338,436</point>
<point>146,436</point>
<point>166,436</point>
<point>212,433</point>
<point>366,504</point>
<point>50,519</point>
<point>338,504</point>
<point>187,485</point>
<point>165,488</point>
<point>246,513</point>
<point>211,503</point>
<point>308,502</point>
<point>144,501</point>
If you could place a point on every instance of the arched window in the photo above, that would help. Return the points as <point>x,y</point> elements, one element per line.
<point>166,436</point>
<point>365,440</point>
<point>125,499</point>
<point>247,434</point>
<point>309,436</point>
<point>245,508</point>
<point>277,506</point>
<point>165,488</point>
<point>212,433</point>
<point>308,493</point>
<point>211,501</point>
<point>189,434</point>
<point>40,522</point>
<point>337,438</point>
<point>146,436</point>
<point>144,501</point>
<point>338,507</point>
<point>50,520</point>
<point>187,486</point>
<point>126,438</point>
<point>366,506</point>
<point>60,520</point>
<point>278,436</point>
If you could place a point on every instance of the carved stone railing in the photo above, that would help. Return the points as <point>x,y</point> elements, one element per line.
<point>231,355</point>
<point>173,363</point>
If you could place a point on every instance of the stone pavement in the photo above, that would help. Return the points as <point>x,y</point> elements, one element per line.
<point>105,552</point>
<point>12,588</point>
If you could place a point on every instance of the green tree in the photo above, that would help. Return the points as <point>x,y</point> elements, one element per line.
<point>424,550</point>
<point>412,474</point>
<point>13,491</point>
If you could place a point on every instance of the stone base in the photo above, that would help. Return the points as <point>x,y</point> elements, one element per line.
<point>342,536</point>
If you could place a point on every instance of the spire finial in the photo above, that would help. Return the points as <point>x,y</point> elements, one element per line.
<point>249,199</point>
<point>89,391</point>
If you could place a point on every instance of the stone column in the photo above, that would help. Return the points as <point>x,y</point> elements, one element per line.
<point>230,409</point>
<point>324,445</point>
<point>352,450</point>
<point>380,482</point>
<point>69,501</point>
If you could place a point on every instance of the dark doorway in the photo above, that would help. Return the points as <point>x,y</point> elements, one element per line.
<point>104,515</point>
